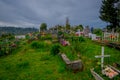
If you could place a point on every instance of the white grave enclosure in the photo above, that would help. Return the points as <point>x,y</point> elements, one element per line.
<point>20,36</point>
<point>110,36</point>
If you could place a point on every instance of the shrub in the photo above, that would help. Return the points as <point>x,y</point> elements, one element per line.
<point>55,49</point>
<point>37,45</point>
<point>81,39</point>
<point>1,52</point>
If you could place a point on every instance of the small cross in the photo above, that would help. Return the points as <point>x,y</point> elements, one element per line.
<point>102,57</point>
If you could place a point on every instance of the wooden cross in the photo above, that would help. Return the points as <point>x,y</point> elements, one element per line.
<point>102,57</point>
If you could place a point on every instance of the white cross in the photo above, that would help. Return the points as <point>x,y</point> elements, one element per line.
<point>102,57</point>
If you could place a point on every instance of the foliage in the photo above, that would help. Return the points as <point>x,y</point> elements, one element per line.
<point>109,13</point>
<point>55,49</point>
<point>7,36</point>
<point>16,30</point>
<point>60,33</point>
<point>43,27</point>
<point>79,27</point>
<point>8,44</point>
<point>97,31</point>
<point>67,26</point>
<point>46,37</point>
<point>33,64</point>
<point>38,45</point>
<point>81,39</point>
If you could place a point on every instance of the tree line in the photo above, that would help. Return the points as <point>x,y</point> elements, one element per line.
<point>16,30</point>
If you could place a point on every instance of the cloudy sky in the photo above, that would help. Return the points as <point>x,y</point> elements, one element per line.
<point>29,13</point>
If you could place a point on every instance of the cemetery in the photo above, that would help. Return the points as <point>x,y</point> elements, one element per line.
<point>85,49</point>
<point>49,57</point>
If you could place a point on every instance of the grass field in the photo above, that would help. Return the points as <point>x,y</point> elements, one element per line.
<point>28,63</point>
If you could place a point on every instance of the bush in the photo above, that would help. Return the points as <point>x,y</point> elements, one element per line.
<point>81,39</point>
<point>1,53</point>
<point>37,45</point>
<point>55,49</point>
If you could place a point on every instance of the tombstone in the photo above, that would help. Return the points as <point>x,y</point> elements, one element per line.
<point>93,36</point>
<point>86,31</point>
<point>90,35</point>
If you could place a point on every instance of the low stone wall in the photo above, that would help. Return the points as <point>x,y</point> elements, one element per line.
<point>76,65</point>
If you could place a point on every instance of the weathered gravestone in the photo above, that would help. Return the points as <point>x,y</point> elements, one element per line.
<point>76,65</point>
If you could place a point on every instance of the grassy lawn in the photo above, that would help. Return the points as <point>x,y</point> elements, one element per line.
<point>38,64</point>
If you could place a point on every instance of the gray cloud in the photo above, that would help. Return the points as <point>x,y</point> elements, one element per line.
<point>30,13</point>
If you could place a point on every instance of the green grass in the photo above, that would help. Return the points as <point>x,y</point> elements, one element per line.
<point>28,63</point>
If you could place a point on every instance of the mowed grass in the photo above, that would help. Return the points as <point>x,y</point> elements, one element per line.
<point>38,64</point>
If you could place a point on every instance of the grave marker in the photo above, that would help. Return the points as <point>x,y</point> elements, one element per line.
<point>102,57</point>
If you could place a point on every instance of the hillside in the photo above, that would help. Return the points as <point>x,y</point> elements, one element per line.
<point>17,30</point>
<point>32,63</point>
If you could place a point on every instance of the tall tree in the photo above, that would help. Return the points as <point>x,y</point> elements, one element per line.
<point>109,13</point>
<point>67,24</point>
<point>43,27</point>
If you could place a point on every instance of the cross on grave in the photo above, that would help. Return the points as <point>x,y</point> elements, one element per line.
<point>102,57</point>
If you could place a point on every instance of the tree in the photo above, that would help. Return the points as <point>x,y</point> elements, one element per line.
<point>109,13</point>
<point>79,27</point>
<point>97,31</point>
<point>43,27</point>
<point>67,24</point>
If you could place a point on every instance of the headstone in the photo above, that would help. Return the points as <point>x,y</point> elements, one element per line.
<point>90,35</point>
<point>93,36</point>
<point>86,31</point>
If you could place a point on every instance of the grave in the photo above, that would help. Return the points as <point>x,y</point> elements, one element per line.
<point>54,38</point>
<point>19,36</point>
<point>108,70</point>
<point>76,65</point>
<point>102,58</point>
<point>86,31</point>
<point>94,36</point>
<point>64,42</point>
<point>96,76</point>
<point>79,33</point>
<point>110,36</point>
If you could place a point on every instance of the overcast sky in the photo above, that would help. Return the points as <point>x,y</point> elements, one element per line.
<point>29,13</point>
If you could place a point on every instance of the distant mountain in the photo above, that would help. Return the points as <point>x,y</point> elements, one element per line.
<point>17,30</point>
